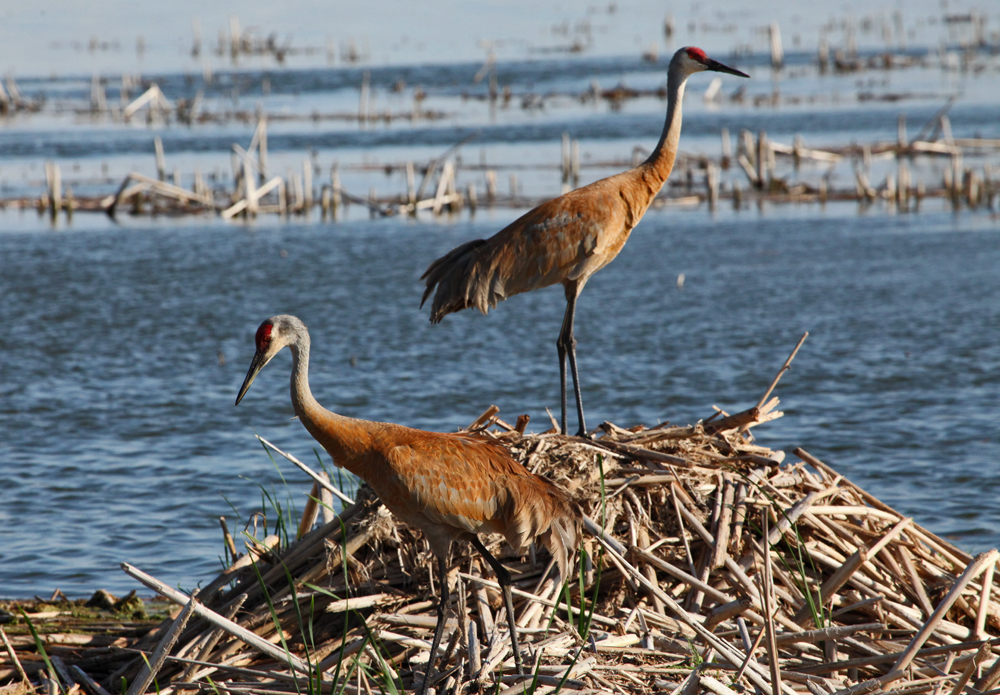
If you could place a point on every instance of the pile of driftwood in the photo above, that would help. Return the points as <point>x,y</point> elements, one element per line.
<point>708,564</point>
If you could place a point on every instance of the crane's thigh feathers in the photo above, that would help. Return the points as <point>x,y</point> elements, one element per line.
<point>454,485</point>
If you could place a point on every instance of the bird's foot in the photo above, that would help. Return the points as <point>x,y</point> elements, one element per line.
<point>585,435</point>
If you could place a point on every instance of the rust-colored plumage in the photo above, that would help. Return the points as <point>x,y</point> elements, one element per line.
<point>567,239</point>
<point>450,486</point>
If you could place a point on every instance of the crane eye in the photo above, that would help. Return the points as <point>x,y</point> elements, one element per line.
<point>697,54</point>
<point>263,338</point>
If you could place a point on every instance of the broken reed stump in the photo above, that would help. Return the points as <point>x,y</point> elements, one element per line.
<point>709,564</point>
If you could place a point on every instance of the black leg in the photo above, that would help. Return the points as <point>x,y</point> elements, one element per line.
<point>561,347</point>
<point>439,629</point>
<point>503,578</point>
<point>567,347</point>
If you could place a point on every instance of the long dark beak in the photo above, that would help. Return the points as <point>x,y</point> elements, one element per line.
<point>255,366</point>
<point>716,66</point>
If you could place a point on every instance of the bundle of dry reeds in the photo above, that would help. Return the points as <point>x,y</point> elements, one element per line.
<point>710,564</point>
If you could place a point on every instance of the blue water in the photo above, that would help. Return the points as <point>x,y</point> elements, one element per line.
<point>122,442</point>
<point>124,343</point>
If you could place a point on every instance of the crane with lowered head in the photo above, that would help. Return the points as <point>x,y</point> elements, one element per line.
<point>451,486</point>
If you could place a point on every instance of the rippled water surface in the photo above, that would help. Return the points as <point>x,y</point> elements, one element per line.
<point>124,348</point>
<point>124,343</point>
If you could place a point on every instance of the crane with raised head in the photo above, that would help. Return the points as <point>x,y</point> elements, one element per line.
<point>451,486</point>
<point>567,239</point>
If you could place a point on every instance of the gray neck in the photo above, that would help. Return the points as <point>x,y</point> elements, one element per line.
<point>666,149</point>
<point>347,440</point>
<point>302,397</point>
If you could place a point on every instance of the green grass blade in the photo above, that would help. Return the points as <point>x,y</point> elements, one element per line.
<point>40,646</point>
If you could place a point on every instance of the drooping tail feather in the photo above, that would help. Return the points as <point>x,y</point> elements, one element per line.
<point>561,540</point>
<point>544,511</point>
<point>457,279</point>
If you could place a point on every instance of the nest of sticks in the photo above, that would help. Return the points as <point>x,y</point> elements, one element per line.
<point>708,564</point>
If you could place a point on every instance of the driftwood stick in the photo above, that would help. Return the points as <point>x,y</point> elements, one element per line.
<point>751,650</point>
<point>984,601</point>
<point>326,500</point>
<point>873,685</point>
<point>227,538</point>
<point>335,556</point>
<point>211,641</point>
<point>13,656</point>
<point>62,673</point>
<point>48,681</point>
<point>953,555</point>
<point>87,682</point>
<point>310,512</point>
<point>483,419</point>
<point>990,678</point>
<point>946,630</point>
<point>472,637</point>
<point>54,179</point>
<point>170,189</point>
<point>876,659</point>
<point>326,484</point>
<point>153,94</point>
<point>210,667</point>
<point>229,626</point>
<point>653,480</point>
<point>253,194</point>
<point>482,603</point>
<point>356,604</point>
<point>979,658</point>
<point>680,526</point>
<point>739,514</point>
<point>152,667</point>
<point>720,548</point>
<point>727,611</point>
<point>784,368</point>
<point>233,572</point>
<point>315,541</point>
<point>971,572</point>
<point>767,594</point>
<point>161,164</point>
<point>689,685</point>
<point>856,606</point>
<point>828,633</point>
<point>715,686</point>
<point>111,202</point>
<point>746,419</point>
<point>650,571</point>
<point>423,622</point>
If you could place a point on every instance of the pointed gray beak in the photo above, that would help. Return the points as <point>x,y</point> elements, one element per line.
<point>716,66</point>
<point>255,366</point>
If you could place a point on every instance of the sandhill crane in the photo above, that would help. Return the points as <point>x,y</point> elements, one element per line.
<point>567,239</point>
<point>450,486</point>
